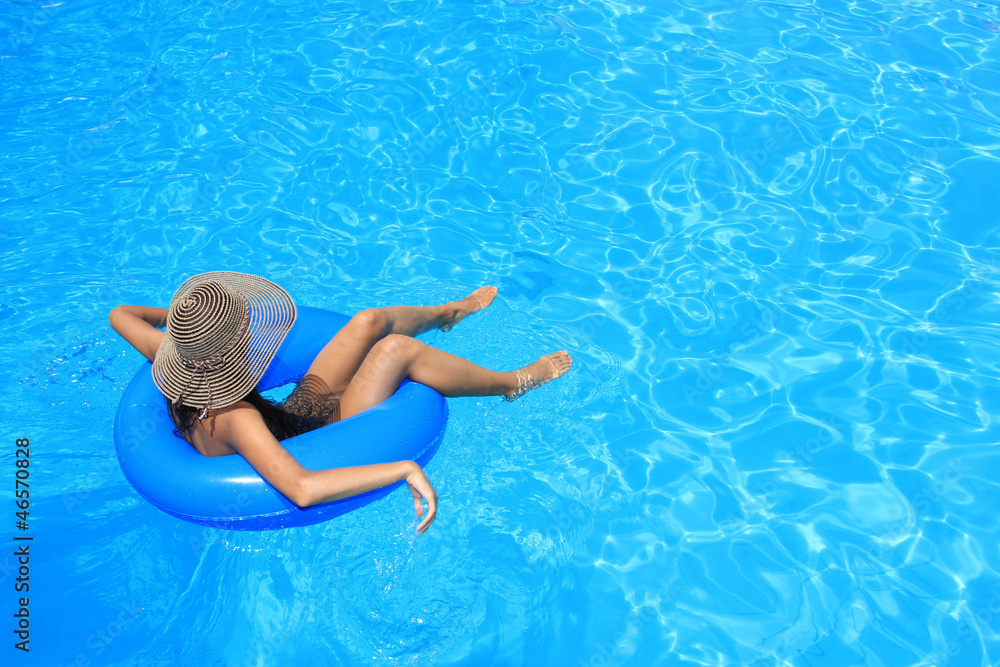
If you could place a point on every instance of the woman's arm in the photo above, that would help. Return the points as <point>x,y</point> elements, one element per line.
<point>247,433</point>
<point>137,325</point>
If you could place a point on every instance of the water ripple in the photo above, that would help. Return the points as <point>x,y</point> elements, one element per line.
<point>764,230</point>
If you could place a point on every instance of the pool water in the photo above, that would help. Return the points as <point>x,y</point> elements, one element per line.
<point>767,233</point>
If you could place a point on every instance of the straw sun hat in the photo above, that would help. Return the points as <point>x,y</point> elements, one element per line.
<point>223,330</point>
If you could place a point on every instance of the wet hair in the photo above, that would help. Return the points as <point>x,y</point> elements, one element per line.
<point>279,423</point>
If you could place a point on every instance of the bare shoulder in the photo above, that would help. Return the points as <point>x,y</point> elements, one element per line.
<point>239,422</point>
<point>242,427</point>
<point>212,436</point>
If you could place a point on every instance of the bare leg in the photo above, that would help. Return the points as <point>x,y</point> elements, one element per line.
<point>396,358</point>
<point>414,320</point>
<point>337,363</point>
<point>332,369</point>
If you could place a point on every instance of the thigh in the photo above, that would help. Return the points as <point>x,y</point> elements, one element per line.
<point>335,365</point>
<point>383,370</point>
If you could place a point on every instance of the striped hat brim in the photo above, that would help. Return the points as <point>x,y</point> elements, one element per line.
<point>201,377</point>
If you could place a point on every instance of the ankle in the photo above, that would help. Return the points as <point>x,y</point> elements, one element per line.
<point>446,313</point>
<point>519,382</point>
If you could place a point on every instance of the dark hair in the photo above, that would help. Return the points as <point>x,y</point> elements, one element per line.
<point>279,423</point>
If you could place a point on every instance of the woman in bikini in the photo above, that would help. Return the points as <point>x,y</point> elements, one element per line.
<point>222,331</point>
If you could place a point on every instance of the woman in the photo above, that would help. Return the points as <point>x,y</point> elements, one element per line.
<point>224,328</point>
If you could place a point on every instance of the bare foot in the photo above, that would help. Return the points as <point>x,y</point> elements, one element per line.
<point>456,311</point>
<point>544,369</point>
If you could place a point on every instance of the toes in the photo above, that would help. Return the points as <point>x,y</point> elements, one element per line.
<point>561,361</point>
<point>484,296</point>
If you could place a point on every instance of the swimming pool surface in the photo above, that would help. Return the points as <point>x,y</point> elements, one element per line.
<point>767,233</point>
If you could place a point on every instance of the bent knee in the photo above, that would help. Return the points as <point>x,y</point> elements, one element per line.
<point>394,347</point>
<point>369,322</point>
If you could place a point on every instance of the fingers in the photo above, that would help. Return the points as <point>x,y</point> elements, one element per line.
<point>422,490</point>
<point>431,513</point>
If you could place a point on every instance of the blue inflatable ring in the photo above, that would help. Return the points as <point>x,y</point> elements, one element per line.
<point>225,491</point>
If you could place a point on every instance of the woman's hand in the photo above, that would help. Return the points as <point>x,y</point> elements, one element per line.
<point>421,488</point>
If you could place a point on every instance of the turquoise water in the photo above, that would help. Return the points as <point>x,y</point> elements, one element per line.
<point>767,233</point>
